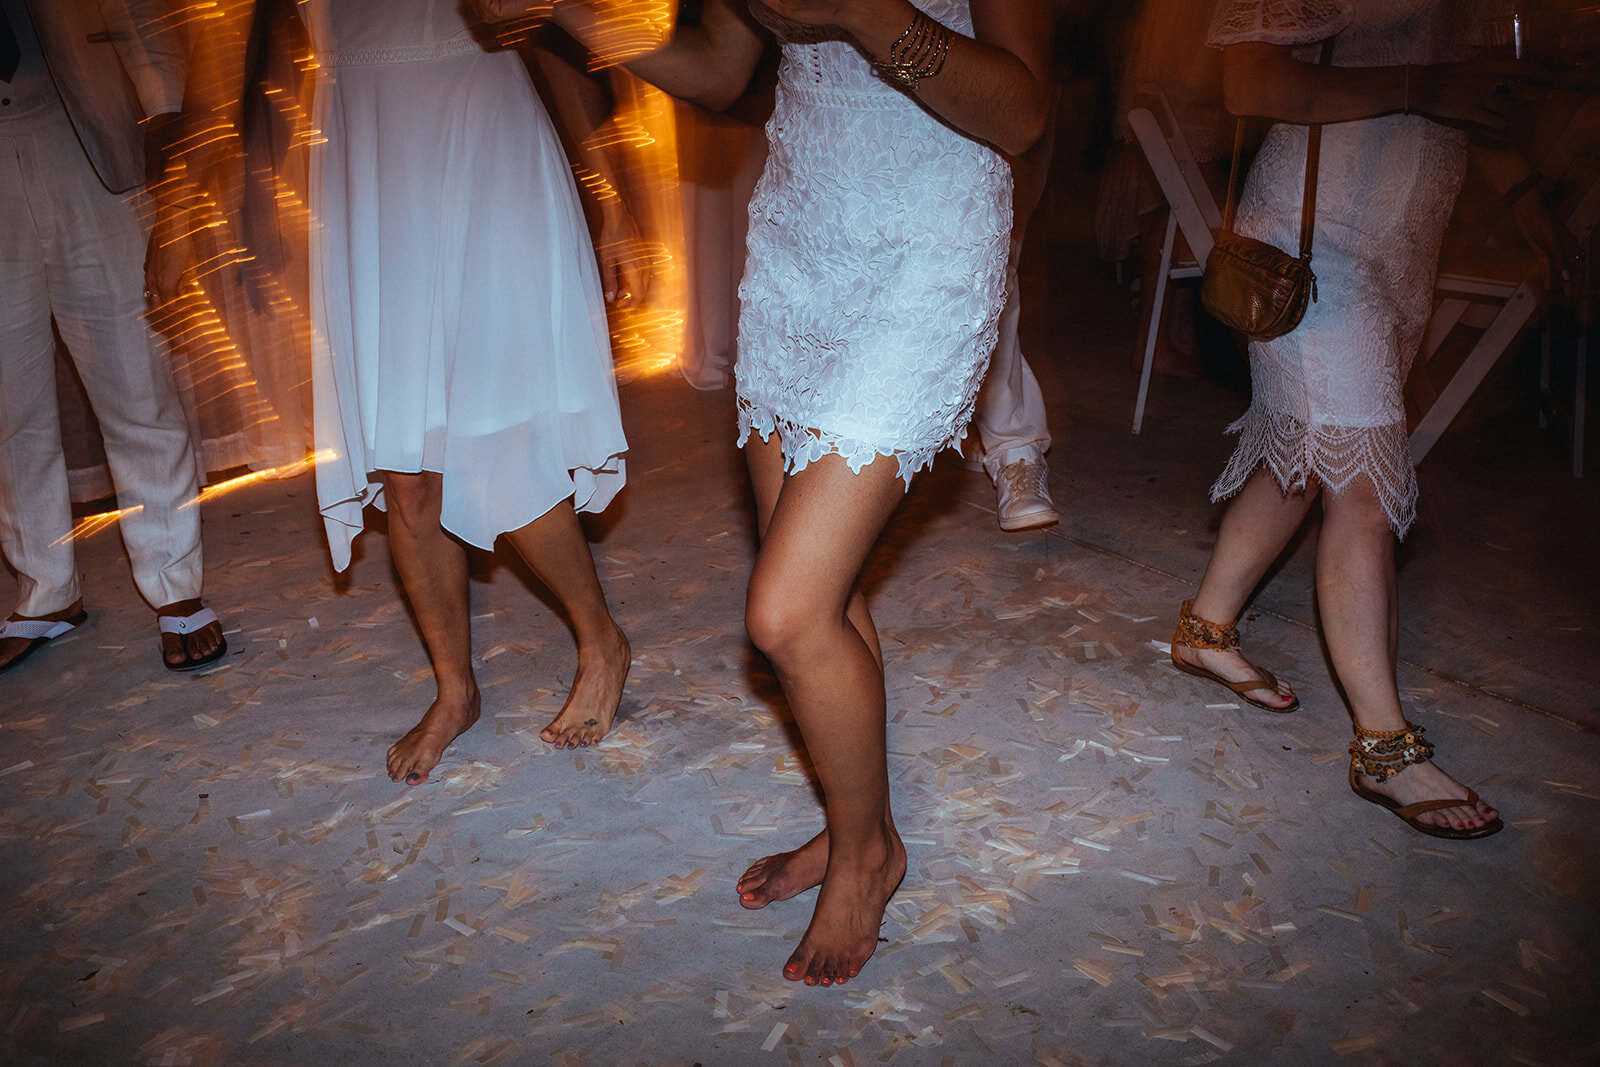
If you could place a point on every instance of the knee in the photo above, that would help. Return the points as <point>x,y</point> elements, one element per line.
<point>1357,511</point>
<point>776,623</point>
<point>414,499</point>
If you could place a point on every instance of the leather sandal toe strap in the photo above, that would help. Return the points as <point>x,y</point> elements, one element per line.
<point>1422,807</point>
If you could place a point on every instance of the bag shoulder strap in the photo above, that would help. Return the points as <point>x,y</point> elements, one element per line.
<point>1308,206</point>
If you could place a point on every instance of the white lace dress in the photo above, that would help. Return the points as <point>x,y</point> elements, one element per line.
<point>459,322</point>
<point>1326,400</point>
<point>877,263</point>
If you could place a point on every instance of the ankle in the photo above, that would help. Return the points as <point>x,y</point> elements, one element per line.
<point>458,691</point>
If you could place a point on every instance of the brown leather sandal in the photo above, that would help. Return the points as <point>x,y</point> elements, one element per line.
<point>1195,632</point>
<point>1383,754</point>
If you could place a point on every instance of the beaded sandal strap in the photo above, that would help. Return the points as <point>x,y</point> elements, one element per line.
<point>1383,754</point>
<point>1195,632</point>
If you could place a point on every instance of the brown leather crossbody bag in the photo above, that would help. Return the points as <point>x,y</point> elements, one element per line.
<point>1254,287</point>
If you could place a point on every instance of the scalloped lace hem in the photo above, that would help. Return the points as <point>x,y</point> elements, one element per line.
<point>803,445</point>
<point>1293,453</point>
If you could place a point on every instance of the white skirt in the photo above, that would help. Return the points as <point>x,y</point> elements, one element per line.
<point>459,321</point>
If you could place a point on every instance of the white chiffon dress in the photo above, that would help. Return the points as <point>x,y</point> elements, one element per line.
<point>458,317</point>
<point>1326,398</point>
<point>877,263</point>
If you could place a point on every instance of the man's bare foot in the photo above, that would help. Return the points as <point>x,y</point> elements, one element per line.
<point>1233,667</point>
<point>844,927</point>
<point>596,692</point>
<point>786,874</point>
<point>1425,781</point>
<point>196,647</point>
<point>13,648</point>
<point>418,752</point>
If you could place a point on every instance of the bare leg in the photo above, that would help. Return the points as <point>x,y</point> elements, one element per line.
<point>555,547</point>
<point>433,571</point>
<point>825,522</point>
<point>1255,529</point>
<point>788,874</point>
<point>1356,597</point>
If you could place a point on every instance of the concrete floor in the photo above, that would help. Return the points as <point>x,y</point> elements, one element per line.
<point>1110,862</point>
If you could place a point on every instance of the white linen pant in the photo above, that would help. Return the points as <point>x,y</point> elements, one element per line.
<point>70,249</point>
<point>1010,415</point>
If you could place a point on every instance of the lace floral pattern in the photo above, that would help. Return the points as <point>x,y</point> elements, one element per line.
<point>1326,399</point>
<point>1368,33</point>
<point>876,270</point>
<point>1277,21</point>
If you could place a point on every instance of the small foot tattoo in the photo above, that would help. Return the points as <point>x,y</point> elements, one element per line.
<point>592,705</point>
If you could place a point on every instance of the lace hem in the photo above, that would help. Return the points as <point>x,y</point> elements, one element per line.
<point>1279,22</point>
<point>1293,453</point>
<point>803,445</point>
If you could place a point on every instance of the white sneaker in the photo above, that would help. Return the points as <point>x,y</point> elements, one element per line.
<point>1023,492</point>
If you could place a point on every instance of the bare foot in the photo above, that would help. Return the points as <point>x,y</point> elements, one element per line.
<point>418,752</point>
<point>844,928</point>
<point>178,649</point>
<point>12,647</point>
<point>596,691</point>
<point>1235,668</point>
<point>1425,781</point>
<point>785,875</point>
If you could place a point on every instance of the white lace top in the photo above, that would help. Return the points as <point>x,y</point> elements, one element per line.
<point>877,257</point>
<point>1367,33</point>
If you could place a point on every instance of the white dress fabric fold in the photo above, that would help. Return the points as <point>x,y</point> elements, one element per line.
<point>460,326</point>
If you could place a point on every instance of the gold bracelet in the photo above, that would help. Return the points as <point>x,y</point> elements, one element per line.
<point>916,54</point>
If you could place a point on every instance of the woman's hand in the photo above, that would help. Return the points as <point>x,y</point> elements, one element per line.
<point>506,10</point>
<point>1478,92</point>
<point>624,269</point>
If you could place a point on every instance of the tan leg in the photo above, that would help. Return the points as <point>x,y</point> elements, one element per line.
<point>788,874</point>
<point>1358,603</point>
<point>433,571</point>
<point>555,547</point>
<point>1255,529</point>
<point>824,523</point>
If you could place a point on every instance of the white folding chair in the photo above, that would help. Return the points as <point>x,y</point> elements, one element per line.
<point>1512,302</point>
<point>1194,213</point>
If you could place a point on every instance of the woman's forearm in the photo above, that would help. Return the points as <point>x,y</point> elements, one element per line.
<point>995,93</point>
<point>1266,80</point>
<point>709,64</point>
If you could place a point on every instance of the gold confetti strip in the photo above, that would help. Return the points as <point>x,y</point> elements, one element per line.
<point>1093,971</point>
<point>1346,1046</point>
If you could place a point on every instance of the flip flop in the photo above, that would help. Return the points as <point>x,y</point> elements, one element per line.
<point>1409,813</point>
<point>188,624</point>
<point>37,632</point>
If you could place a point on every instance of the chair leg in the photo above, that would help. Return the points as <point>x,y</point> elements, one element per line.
<point>1454,396</point>
<point>1157,303</point>
<point>1544,377</point>
<point>1580,401</point>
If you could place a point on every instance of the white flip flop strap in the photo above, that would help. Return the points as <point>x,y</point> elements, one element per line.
<point>187,624</point>
<point>34,629</point>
